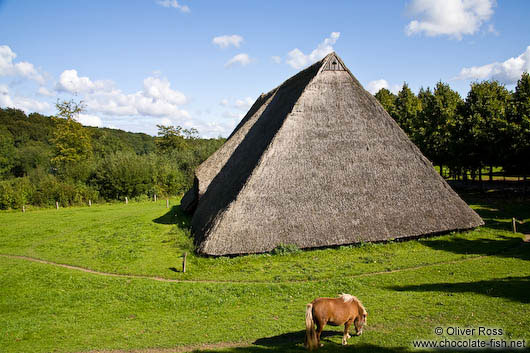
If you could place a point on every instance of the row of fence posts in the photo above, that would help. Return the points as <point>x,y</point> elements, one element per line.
<point>90,203</point>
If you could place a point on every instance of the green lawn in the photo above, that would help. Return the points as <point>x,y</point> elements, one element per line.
<point>475,278</point>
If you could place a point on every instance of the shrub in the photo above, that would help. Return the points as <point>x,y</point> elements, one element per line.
<point>285,249</point>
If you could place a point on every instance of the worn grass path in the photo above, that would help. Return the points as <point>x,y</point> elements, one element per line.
<point>161,279</point>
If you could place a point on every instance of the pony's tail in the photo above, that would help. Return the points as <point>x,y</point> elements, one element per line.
<point>310,332</point>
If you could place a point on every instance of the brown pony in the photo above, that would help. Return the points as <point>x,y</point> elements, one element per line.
<point>343,310</point>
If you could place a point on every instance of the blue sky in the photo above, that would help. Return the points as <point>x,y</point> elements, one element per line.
<point>196,63</point>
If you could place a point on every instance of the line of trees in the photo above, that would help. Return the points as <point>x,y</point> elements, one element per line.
<point>489,128</point>
<point>44,160</point>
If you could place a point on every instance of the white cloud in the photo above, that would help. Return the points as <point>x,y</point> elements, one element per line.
<point>241,104</point>
<point>244,104</point>
<point>507,72</point>
<point>43,91</point>
<point>242,59</point>
<point>23,68</point>
<point>174,4</point>
<point>226,41</point>
<point>298,60</point>
<point>160,89</point>
<point>453,18</point>
<point>276,59</point>
<point>374,86</point>
<point>69,81</point>
<point>90,120</point>
<point>26,104</point>
<point>155,99</point>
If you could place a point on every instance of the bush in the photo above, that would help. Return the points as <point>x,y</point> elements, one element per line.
<point>14,193</point>
<point>285,249</point>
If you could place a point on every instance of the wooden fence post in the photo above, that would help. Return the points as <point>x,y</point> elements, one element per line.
<point>513,225</point>
<point>89,203</point>
<point>57,204</point>
<point>184,262</point>
<point>167,203</point>
<point>155,197</point>
<point>23,208</point>
<point>126,200</point>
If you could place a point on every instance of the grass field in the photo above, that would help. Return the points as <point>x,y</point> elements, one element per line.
<point>466,279</point>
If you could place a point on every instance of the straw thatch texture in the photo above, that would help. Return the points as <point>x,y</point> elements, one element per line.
<point>210,167</point>
<point>323,164</point>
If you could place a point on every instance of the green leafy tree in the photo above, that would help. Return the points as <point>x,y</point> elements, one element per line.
<point>407,108</point>
<point>174,138</point>
<point>388,101</point>
<point>71,140</point>
<point>438,115</point>
<point>485,109</point>
<point>519,129</point>
<point>7,152</point>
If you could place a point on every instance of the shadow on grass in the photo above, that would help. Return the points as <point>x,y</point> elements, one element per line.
<point>502,246</point>
<point>512,288</point>
<point>175,216</point>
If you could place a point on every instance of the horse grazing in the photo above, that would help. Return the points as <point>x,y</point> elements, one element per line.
<point>343,310</point>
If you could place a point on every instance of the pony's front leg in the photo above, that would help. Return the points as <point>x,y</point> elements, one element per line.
<point>346,334</point>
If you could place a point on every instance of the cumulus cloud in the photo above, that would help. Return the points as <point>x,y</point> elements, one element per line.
<point>90,120</point>
<point>297,59</point>
<point>156,98</point>
<point>21,69</point>
<point>453,18</point>
<point>241,104</point>
<point>508,71</point>
<point>244,104</point>
<point>29,105</point>
<point>242,59</point>
<point>374,86</point>
<point>226,41</point>
<point>43,91</point>
<point>69,81</point>
<point>174,4</point>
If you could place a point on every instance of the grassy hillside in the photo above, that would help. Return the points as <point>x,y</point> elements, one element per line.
<point>475,278</point>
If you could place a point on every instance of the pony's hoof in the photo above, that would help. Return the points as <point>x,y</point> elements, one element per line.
<point>322,345</point>
<point>344,342</point>
<point>359,333</point>
<point>348,336</point>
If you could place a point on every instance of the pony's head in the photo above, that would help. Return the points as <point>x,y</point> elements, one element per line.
<point>360,322</point>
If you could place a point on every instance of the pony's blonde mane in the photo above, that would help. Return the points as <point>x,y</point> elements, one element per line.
<point>348,298</point>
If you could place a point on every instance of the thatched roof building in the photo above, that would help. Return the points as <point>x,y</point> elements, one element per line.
<point>317,162</point>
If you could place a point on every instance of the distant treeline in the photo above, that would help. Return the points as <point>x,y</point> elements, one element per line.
<point>44,160</point>
<point>490,127</point>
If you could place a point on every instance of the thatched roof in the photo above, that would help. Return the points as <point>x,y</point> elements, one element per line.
<point>318,162</point>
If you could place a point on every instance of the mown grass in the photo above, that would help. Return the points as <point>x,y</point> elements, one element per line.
<point>44,308</point>
<point>147,239</point>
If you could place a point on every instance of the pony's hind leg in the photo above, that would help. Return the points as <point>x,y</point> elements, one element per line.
<point>346,334</point>
<point>320,328</point>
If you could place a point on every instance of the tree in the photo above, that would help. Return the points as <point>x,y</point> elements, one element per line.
<point>71,140</point>
<point>485,108</point>
<point>407,108</point>
<point>438,114</point>
<point>388,101</point>
<point>7,152</point>
<point>519,128</point>
<point>174,138</point>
